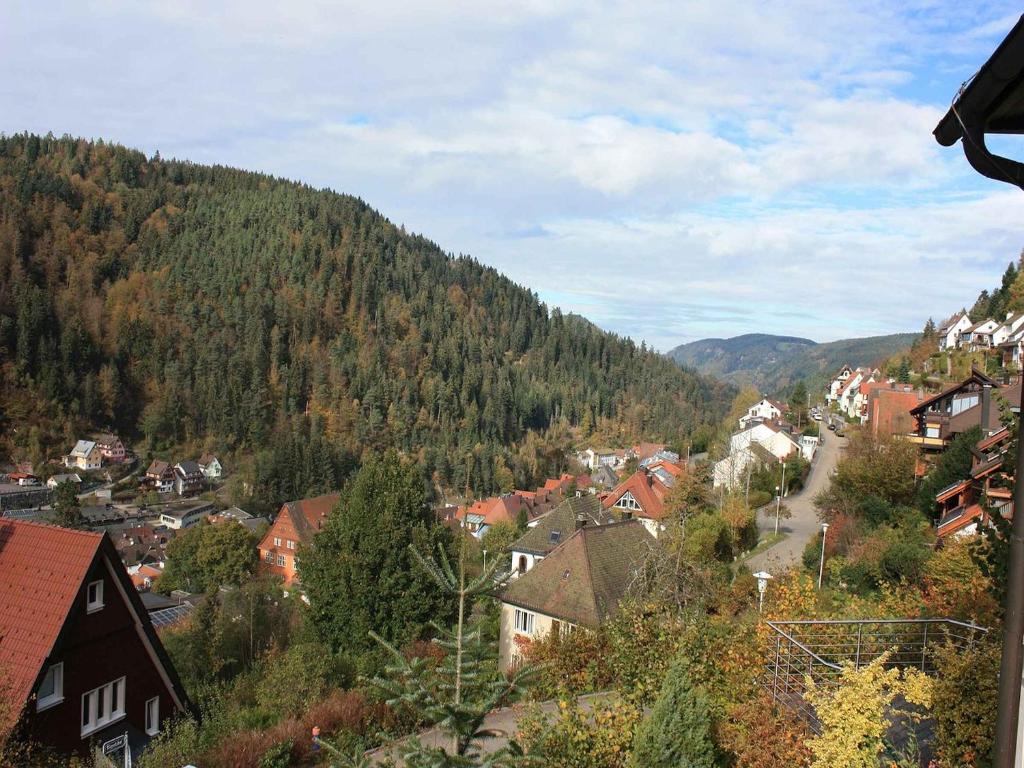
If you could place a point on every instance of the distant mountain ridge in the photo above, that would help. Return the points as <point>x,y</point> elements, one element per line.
<point>773,363</point>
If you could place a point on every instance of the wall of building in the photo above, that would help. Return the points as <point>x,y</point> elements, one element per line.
<point>84,647</point>
<point>508,650</point>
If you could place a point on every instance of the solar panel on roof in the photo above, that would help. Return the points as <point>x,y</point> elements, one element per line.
<point>167,616</point>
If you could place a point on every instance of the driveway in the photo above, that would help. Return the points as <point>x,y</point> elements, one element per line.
<point>503,722</point>
<point>804,524</point>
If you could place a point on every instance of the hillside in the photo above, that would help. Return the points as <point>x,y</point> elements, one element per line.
<point>184,304</point>
<point>772,363</point>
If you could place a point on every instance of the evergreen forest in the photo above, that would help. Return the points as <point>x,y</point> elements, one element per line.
<point>188,305</point>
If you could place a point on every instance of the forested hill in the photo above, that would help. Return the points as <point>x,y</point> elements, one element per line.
<point>188,304</point>
<point>772,363</point>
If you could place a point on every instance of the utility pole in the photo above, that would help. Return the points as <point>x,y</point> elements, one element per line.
<point>1010,667</point>
<point>778,499</point>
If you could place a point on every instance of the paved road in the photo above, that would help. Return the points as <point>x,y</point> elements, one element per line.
<point>804,524</point>
<point>503,722</point>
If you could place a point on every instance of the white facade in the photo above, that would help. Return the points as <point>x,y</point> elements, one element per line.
<point>520,627</point>
<point>950,337</point>
<point>595,458</point>
<point>1013,323</point>
<point>765,410</point>
<point>212,470</point>
<point>522,562</point>
<point>733,468</point>
<point>850,391</point>
<point>980,336</point>
<point>85,455</point>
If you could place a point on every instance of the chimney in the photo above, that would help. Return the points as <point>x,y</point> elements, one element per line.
<point>986,407</point>
<point>581,521</point>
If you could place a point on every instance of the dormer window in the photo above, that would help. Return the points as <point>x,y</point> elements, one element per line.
<point>94,597</point>
<point>51,690</point>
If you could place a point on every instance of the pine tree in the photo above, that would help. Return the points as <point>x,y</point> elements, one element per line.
<point>67,512</point>
<point>457,694</point>
<point>677,732</point>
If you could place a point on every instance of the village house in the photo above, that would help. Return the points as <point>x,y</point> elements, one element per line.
<point>239,517</point>
<point>972,402</point>
<point>951,330</point>
<point>1013,323</point>
<point>188,478</point>
<point>764,410</point>
<point>762,443</point>
<point>604,478</point>
<point>965,505</point>
<point>979,335</point>
<point>642,495</point>
<point>553,528</point>
<point>160,476</point>
<point>181,515</point>
<point>592,458</point>
<point>888,409</point>
<point>836,384</point>
<point>296,524</point>
<point>85,455</point>
<point>56,480</point>
<point>111,448</point>
<point>210,466</point>
<point>482,515</point>
<point>578,585</point>
<point>82,663</point>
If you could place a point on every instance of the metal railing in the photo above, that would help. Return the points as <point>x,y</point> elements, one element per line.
<point>818,650</point>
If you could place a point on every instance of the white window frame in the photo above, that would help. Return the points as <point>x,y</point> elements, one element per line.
<point>268,556</point>
<point>627,501</point>
<point>102,706</point>
<point>524,621</point>
<point>282,561</point>
<point>91,605</point>
<point>277,541</point>
<point>55,698</point>
<point>290,544</point>
<point>152,717</point>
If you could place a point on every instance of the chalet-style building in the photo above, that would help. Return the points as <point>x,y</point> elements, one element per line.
<point>296,524</point>
<point>951,330</point>
<point>979,335</point>
<point>111,448</point>
<point>160,476</point>
<point>642,495</point>
<point>579,584</point>
<point>765,410</point>
<point>188,478</point>
<point>555,527</point>
<point>85,455</point>
<point>973,402</point>
<point>80,658</point>
<point>963,505</point>
<point>837,383</point>
<point>210,466</point>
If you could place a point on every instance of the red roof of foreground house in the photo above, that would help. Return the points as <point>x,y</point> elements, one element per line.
<point>41,571</point>
<point>646,488</point>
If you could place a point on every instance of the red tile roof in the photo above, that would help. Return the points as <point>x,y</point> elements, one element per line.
<point>502,509</point>
<point>648,491</point>
<point>41,571</point>
<point>646,450</point>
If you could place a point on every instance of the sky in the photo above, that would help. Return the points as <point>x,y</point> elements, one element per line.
<point>672,171</point>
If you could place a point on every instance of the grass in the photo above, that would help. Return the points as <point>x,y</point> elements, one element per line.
<point>767,541</point>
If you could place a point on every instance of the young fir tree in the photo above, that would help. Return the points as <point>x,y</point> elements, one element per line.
<point>677,732</point>
<point>456,694</point>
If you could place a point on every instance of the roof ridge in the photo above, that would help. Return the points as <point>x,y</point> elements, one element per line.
<point>37,524</point>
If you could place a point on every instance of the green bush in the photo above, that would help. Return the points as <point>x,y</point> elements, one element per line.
<point>278,756</point>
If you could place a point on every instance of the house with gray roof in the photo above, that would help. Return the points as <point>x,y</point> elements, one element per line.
<point>555,527</point>
<point>579,584</point>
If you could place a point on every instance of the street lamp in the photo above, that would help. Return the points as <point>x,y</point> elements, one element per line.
<point>485,559</point>
<point>779,490</point>
<point>762,586</point>
<point>821,568</point>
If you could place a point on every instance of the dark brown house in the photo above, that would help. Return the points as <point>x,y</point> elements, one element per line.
<point>80,660</point>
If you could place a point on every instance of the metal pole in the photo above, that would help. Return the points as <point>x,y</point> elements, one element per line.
<point>778,501</point>
<point>821,568</point>
<point>1013,623</point>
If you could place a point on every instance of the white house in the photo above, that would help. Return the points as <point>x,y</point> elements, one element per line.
<point>765,410</point>
<point>761,443</point>
<point>85,455</point>
<point>1013,323</point>
<point>56,480</point>
<point>210,466</point>
<point>837,383</point>
<point>180,517</point>
<point>850,389</point>
<point>979,335</point>
<point>607,457</point>
<point>952,329</point>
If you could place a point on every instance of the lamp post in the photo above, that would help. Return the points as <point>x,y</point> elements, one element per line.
<point>762,586</point>
<point>778,505</point>
<point>821,568</point>
<point>485,559</point>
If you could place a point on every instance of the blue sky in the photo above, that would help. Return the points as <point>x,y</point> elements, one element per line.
<point>669,170</point>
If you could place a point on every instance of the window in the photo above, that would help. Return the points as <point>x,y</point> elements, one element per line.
<point>277,541</point>
<point>628,502</point>
<point>522,564</point>
<point>102,706</point>
<point>282,560</point>
<point>153,716</point>
<point>268,556</point>
<point>51,690</point>
<point>94,596</point>
<point>524,622</point>
<point>291,544</point>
